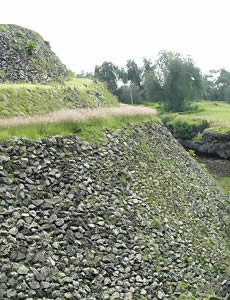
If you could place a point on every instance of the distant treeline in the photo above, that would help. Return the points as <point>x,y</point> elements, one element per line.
<point>173,80</point>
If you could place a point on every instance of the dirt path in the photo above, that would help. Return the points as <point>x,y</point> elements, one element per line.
<point>81,114</point>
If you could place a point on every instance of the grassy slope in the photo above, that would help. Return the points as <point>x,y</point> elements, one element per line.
<point>22,100</point>
<point>216,112</point>
<point>89,130</point>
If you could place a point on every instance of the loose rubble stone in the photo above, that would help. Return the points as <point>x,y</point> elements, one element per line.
<point>23,270</point>
<point>132,218</point>
<point>17,64</point>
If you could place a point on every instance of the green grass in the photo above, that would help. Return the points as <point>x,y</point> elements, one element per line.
<point>216,112</point>
<point>22,100</point>
<point>89,130</point>
<point>154,105</point>
<point>224,183</point>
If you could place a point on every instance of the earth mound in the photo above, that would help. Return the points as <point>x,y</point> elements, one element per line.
<point>26,57</point>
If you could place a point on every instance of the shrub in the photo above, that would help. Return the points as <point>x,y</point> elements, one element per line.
<point>184,128</point>
<point>30,47</point>
<point>167,118</point>
<point>188,129</point>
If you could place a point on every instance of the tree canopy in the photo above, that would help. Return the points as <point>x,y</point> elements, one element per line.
<point>108,73</point>
<point>172,80</point>
<point>178,80</point>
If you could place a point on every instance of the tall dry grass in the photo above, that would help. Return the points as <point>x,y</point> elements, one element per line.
<point>79,115</point>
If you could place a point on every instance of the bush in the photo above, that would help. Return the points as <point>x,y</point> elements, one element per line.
<point>188,129</point>
<point>167,118</point>
<point>184,128</point>
<point>30,47</point>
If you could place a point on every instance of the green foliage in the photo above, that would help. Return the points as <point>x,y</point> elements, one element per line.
<point>192,153</point>
<point>148,65</point>
<point>179,79</point>
<point>30,47</point>
<point>188,129</point>
<point>216,85</point>
<point>107,73</point>
<point>152,88</point>
<point>168,118</point>
<point>130,94</point>
<point>182,127</point>
<point>173,80</point>
<point>133,72</point>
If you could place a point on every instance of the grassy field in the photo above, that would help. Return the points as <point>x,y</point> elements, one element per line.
<point>87,124</point>
<point>216,112</point>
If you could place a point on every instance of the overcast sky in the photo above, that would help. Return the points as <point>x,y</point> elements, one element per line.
<point>84,33</point>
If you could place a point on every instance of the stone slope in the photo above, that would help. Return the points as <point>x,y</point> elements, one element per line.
<point>133,218</point>
<point>26,57</point>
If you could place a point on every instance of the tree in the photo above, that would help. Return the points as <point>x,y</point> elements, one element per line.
<point>217,85</point>
<point>130,94</point>
<point>134,72</point>
<point>123,75</point>
<point>223,85</point>
<point>108,73</point>
<point>152,89</point>
<point>148,65</point>
<point>178,78</point>
<point>210,89</point>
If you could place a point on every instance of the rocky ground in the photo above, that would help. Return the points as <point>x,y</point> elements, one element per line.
<point>134,217</point>
<point>26,57</point>
<point>215,165</point>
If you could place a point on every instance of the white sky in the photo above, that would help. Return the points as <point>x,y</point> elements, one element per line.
<point>84,33</point>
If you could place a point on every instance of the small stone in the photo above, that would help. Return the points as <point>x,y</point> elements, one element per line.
<point>128,296</point>
<point>115,295</point>
<point>11,294</point>
<point>37,202</point>
<point>107,281</point>
<point>160,295</point>
<point>39,257</point>
<point>46,284</point>
<point>56,245</point>
<point>143,292</point>
<point>3,278</point>
<point>34,285</point>
<point>68,296</point>
<point>23,270</point>
<point>13,231</point>
<point>59,222</point>
<point>52,218</point>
